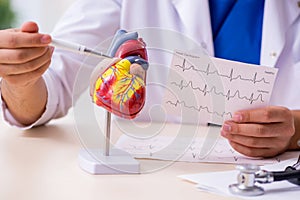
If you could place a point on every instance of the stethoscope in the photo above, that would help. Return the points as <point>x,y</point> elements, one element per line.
<point>249,175</point>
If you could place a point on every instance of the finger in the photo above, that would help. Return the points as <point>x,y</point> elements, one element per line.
<point>12,39</point>
<point>30,27</point>
<point>263,115</point>
<point>254,152</point>
<point>17,69</point>
<point>12,30</point>
<point>258,130</point>
<point>18,56</point>
<point>24,79</point>
<point>248,141</point>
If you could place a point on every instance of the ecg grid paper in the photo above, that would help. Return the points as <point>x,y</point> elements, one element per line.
<point>212,89</point>
<point>220,153</point>
<point>202,90</point>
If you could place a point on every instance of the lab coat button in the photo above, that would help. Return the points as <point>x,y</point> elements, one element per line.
<point>273,54</point>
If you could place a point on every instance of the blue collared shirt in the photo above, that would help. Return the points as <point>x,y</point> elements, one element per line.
<point>237,29</point>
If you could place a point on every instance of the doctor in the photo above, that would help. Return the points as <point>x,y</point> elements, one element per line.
<point>35,91</point>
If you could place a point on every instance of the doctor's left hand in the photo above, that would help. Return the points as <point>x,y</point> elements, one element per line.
<point>263,132</point>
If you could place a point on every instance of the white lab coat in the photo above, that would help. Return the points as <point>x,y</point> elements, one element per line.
<point>91,21</point>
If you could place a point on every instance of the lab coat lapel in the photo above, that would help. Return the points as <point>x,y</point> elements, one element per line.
<point>279,15</point>
<point>195,18</point>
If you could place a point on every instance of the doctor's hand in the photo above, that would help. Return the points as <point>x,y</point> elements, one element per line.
<point>24,57</point>
<point>24,54</point>
<point>263,132</point>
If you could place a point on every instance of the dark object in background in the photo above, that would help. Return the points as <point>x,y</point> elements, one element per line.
<point>6,14</point>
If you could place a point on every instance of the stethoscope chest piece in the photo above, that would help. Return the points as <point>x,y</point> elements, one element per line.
<point>245,185</point>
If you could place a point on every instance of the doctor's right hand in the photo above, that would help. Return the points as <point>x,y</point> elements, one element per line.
<point>24,55</point>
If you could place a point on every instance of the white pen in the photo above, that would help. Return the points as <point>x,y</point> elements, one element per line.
<point>76,48</point>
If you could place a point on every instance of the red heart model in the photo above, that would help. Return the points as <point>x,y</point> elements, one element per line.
<point>121,89</point>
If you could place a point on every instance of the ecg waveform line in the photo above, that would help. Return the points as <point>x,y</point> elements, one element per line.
<point>228,95</point>
<point>231,76</point>
<point>199,109</point>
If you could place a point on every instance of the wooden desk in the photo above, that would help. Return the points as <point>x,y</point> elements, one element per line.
<point>41,164</point>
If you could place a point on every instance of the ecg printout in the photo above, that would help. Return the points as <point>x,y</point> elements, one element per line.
<point>203,89</point>
<point>160,148</point>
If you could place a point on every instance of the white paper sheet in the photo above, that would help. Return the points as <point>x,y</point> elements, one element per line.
<point>189,150</point>
<point>207,89</point>
<point>217,182</point>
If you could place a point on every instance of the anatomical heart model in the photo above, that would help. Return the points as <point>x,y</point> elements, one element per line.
<point>119,84</point>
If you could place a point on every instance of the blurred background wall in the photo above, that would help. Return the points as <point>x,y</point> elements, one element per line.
<point>45,12</point>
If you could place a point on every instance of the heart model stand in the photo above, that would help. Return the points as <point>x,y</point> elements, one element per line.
<point>109,160</point>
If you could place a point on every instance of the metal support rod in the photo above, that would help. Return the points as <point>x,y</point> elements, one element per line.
<point>107,132</point>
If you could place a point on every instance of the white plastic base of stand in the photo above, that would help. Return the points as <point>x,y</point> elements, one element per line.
<point>94,161</point>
